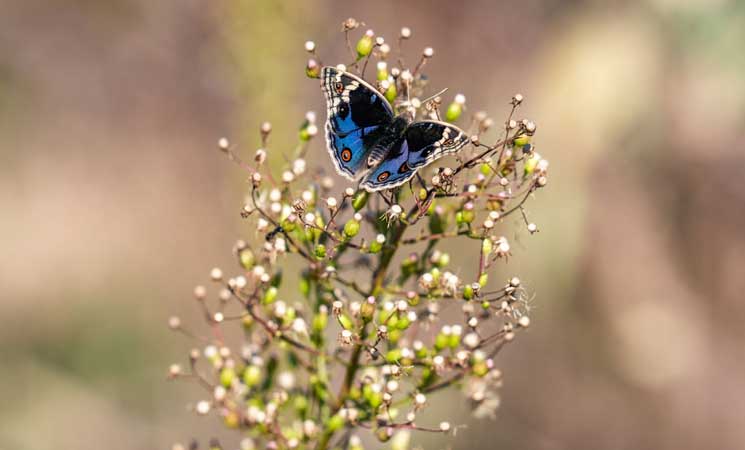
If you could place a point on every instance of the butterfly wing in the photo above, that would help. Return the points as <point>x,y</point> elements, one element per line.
<point>354,111</point>
<point>394,170</point>
<point>423,143</point>
<point>430,140</point>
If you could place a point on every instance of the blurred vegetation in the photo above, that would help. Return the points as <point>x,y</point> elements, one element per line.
<point>114,203</point>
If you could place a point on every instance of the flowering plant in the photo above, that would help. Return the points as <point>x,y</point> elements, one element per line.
<point>364,342</point>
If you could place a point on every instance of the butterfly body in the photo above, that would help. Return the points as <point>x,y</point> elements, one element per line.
<point>368,142</point>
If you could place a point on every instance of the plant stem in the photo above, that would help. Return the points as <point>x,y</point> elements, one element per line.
<point>386,257</point>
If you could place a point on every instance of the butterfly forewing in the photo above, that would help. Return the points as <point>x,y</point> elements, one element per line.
<point>429,140</point>
<point>354,110</point>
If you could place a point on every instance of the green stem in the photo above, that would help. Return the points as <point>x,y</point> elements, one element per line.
<point>386,257</point>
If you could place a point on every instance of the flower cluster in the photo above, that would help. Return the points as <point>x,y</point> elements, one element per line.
<point>377,320</point>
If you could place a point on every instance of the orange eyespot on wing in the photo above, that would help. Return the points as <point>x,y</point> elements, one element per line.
<point>346,155</point>
<point>383,176</point>
<point>339,87</point>
<point>404,168</point>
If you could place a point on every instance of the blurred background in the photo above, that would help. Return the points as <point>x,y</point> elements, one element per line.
<point>114,203</point>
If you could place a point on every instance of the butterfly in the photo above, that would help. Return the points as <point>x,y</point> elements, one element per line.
<point>368,142</point>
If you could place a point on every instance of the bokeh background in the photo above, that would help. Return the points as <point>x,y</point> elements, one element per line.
<point>114,203</point>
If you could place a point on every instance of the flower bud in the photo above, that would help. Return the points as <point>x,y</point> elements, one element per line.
<point>382,73</point>
<point>252,376</point>
<point>391,93</point>
<point>360,199</point>
<point>270,295</point>
<point>320,251</point>
<point>532,163</point>
<point>455,109</point>
<point>312,69</point>
<point>320,321</point>
<point>351,228</point>
<point>247,258</point>
<point>521,140</point>
<point>227,375</point>
<point>365,44</point>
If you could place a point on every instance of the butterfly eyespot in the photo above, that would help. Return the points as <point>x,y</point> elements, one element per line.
<point>448,141</point>
<point>339,87</point>
<point>346,155</point>
<point>383,176</point>
<point>404,168</point>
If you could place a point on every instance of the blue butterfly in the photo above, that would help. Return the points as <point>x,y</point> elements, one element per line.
<point>367,141</point>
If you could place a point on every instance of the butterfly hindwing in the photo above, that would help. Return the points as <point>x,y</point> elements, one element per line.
<point>354,110</point>
<point>423,142</point>
<point>429,140</point>
<point>393,171</point>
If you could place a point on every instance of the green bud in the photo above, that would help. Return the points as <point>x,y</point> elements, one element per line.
<point>300,403</point>
<point>351,228</point>
<point>382,73</point>
<point>360,199</point>
<point>384,434</point>
<point>312,69</point>
<point>480,369</point>
<point>393,355</point>
<point>394,335</point>
<point>320,321</point>
<point>365,45</point>
<point>453,112</point>
<point>391,93</point>
<point>289,316</point>
<point>436,223</point>
<point>247,258</point>
<point>403,323</point>
<point>304,134</point>
<point>252,376</point>
<point>231,420</point>
<point>375,247</point>
<point>335,423</point>
<point>320,251</point>
<point>483,279</point>
<point>468,292</point>
<point>521,140</point>
<point>305,286</point>
<point>531,163</point>
<point>355,393</point>
<point>443,260</point>
<point>345,321</point>
<point>367,310</point>
<point>270,295</point>
<point>486,169</point>
<point>227,375</point>
<point>453,340</point>
<point>375,399</point>
<point>486,246</point>
<point>464,216</point>
<point>288,226</point>
<point>413,301</point>
<point>441,341</point>
<point>421,352</point>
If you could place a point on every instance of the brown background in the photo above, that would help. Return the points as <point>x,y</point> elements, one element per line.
<point>114,203</point>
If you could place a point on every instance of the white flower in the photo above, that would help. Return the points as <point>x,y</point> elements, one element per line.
<point>450,282</point>
<point>203,407</point>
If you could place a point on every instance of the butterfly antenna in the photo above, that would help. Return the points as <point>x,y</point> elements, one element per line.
<point>434,96</point>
